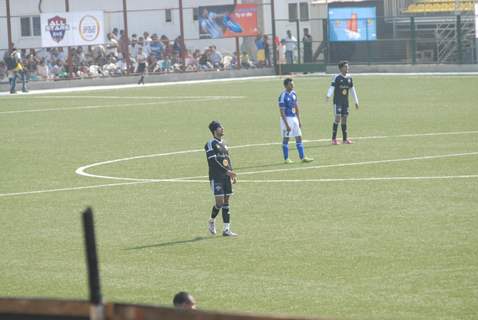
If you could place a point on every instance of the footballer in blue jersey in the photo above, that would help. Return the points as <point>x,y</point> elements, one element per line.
<point>290,123</point>
<point>221,177</point>
<point>340,87</point>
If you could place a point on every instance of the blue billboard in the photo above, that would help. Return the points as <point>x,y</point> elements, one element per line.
<point>352,24</point>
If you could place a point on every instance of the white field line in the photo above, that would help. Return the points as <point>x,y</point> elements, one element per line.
<point>13,194</point>
<point>101,186</point>
<point>82,170</point>
<point>470,176</point>
<point>132,181</point>
<point>112,106</point>
<point>134,85</point>
<point>141,97</point>
<point>337,165</point>
<point>243,79</point>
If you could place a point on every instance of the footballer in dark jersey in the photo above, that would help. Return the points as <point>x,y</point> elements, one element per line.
<point>221,178</point>
<point>341,86</point>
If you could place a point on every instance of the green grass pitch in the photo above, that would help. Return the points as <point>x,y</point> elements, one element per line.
<point>372,230</point>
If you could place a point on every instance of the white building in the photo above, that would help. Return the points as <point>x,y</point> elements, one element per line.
<point>158,16</point>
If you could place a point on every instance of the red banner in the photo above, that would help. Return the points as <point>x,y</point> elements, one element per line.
<point>228,21</point>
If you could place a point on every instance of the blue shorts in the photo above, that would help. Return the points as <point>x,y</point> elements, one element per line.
<point>221,187</point>
<point>340,111</point>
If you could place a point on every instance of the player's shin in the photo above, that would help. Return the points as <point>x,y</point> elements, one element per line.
<point>334,130</point>
<point>344,131</point>
<point>215,211</point>
<point>226,217</point>
<point>285,150</point>
<point>300,149</point>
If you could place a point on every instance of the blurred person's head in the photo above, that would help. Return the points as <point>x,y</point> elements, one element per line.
<point>184,300</point>
<point>289,84</point>
<point>343,66</point>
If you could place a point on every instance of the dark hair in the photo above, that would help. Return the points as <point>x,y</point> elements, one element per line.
<point>181,298</point>
<point>214,125</point>
<point>287,81</point>
<point>342,63</point>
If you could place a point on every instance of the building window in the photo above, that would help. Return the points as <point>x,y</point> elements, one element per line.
<point>195,14</point>
<point>26,26</point>
<point>30,26</point>
<point>169,16</point>
<point>304,11</point>
<point>293,11</point>
<point>36,26</point>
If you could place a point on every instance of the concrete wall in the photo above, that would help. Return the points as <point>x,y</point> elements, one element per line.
<point>173,77</point>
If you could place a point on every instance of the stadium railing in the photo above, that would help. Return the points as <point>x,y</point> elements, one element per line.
<point>42,309</point>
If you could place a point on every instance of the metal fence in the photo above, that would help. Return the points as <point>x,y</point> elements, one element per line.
<point>447,39</point>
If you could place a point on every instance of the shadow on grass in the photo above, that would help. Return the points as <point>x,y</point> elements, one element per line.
<point>172,243</point>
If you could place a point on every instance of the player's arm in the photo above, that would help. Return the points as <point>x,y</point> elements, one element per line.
<point>282,111</point>
<point>297,113</point>
<point>282,115</point>
<point>354,95</point>
<point>232,174</point>
<point>331,90</point>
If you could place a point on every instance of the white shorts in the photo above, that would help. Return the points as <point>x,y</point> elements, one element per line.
<point>294,128</point>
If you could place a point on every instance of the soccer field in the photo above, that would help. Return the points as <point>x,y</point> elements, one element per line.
<point>383,228</point>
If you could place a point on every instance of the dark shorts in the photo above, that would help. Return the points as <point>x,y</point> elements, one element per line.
<point>340,111</point>
<point>222,187</point>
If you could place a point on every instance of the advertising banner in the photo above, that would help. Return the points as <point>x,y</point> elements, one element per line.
<point>226,21</point>
<point>352,24</point>
<point>63,29</point>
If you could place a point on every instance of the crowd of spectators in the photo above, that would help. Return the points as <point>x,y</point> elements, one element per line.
<point>120,56</point>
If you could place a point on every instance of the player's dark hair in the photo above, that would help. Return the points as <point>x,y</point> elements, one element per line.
<point>214,125</point>
<point>287,81</point>
<point>181,298</point>
<point>342,63</point>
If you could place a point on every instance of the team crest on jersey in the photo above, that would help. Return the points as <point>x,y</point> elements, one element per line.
<point>225,162</point>
<point>57,27</point>
<point>344,92</point>
<point>350,80</point>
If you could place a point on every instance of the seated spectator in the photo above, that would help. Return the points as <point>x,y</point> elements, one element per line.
<point>115,34</point>
<point>3,70</point>
<point>147,38</point>
<point>215,57</point>
<point>111,45</point>
<point>61,54</point>
<point>152,63</point>
<point>184,300</point>
<point>227,61</point>
<point>204,63</point>
<point>43,70</point>
<point>246,61</point>
<point>192,61</point>
<point>133,48</point>
<point>156,47</point>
